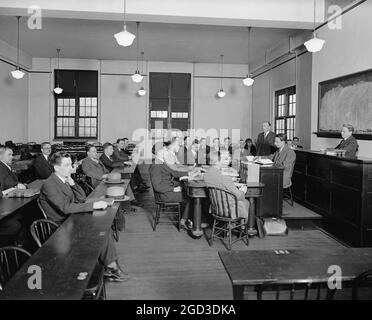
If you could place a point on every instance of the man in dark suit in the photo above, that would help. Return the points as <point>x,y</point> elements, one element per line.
<point>60,197</point>
<point>348,142</point>
<point>93,167</point>
<point>121,154</point>
<point>265,140</point>
<point>284,157</point>
<point>203,152</point>
<point>42,166</point>
<point>296,144</point>
<point>8,182</point>
<point>8,179</point>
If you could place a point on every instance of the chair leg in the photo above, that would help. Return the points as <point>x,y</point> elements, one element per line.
<point>213,231</point>
<point>157,216</point>
<point>291,196</point>
<point>179,217</point>
<point>229,236</point>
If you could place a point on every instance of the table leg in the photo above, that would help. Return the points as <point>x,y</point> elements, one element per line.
<point>252,217</point>
<point>238,292</point>
<point>197,231</point>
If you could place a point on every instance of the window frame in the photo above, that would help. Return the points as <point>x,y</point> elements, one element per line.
<point>76,96</point>
<point>285,116</point>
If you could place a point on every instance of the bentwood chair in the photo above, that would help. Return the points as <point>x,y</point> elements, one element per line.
<point>41,208</point>
<point>224,205</point>
<point>11,259</point>
<point>363,280</point>
<point>287,290</point>
<point>41,230</point>
<point>166,208</point>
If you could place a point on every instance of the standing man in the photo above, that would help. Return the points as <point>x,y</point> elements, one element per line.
<point>42,166</point>
<point>348,142</point>
<point>266,140</point>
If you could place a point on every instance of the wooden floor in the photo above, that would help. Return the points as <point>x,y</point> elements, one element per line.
<point>167,264</point>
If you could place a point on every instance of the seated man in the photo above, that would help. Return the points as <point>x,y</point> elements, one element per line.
<point>214,178</point>
<point>8,182</point>
<point>60,197</point>
<point>284,157</point>
<point>165,181</point>
<point>121,154</point>
<point>348,142</point>
<point>42,166</point>
<point>296,144</point>
<point>93,167</point>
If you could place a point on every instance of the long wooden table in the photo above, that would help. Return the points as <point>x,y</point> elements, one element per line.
<point>73,248</point>
<point>248,270</point>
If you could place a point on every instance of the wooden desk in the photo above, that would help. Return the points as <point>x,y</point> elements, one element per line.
<point>248,270</point>
<point>197,191</point>
<point>339,189</point>
<point>11,205</point>
<point>73,248</point>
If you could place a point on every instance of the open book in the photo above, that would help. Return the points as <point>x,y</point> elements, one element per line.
<point>263,161</point>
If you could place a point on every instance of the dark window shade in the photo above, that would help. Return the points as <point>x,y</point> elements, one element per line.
<point>87,82</point>
<point>66,82</point>
<point>180,105</point>
<point>159,85</point>
<point>180,85</point>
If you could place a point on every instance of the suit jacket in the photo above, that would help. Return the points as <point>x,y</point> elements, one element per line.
<point>8,178</point>
<point>252,151</point>
<point>186,156</point>
<point>94,170</point>
<point>285,159</point>
<point>265,145</point>
<point>111,163</point>
<point>120,155</point>
<point>203,155</point>
<point>60,200</point>
<point>214,178</point>
<point>43,168</point>
<point>350,145</point>
<point>163,180</point>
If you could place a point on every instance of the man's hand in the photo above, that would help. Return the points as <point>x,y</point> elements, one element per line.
<point>21,186</point>
<point>177,189</point>
<point>243,188</point>
<point>70,181</point>
<point>99,205</point>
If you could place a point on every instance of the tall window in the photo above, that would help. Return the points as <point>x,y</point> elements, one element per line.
<point>285,111</point>
<point>170,99</point>
<point>76,108</point>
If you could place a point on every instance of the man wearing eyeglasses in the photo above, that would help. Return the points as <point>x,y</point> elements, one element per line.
<point>42,166</point>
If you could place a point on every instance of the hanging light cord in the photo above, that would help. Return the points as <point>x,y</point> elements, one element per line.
<point>125,10</point>
<point>18,18</point>
<point>221,71</point>
<point>137,44</point>
<point>142,53</point>
<point>314,15</point>
<point>249,38</point>
<point>58,50</point>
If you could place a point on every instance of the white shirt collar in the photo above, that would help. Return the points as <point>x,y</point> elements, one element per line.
<point>61,178</point>
<point>7,166</point>
<point>45,156</point>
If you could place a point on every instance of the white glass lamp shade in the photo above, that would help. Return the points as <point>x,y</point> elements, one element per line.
<point>141,91</point>
<point>17,74</point>
<point>124,38</point>
<point>248,81</point>
<point>315,44</point>
<point>137,77</point>
<point>221,93</point>
<point>58,90</point>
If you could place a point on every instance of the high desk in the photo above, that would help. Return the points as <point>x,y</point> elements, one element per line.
<point>339,189</point>
<point>73,248</point>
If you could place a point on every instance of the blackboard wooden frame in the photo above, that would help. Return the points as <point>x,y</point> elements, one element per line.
<point>337,134</point>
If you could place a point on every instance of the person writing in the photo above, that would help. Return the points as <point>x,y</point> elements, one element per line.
<point>348,142</point>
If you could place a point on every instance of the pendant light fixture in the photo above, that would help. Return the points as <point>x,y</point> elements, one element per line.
<point>221,93</point>
<point>137,77</point>
<point>315,44</point>
<point>142,90</point>
<point>57,89</point>
<point>124,38</point>
<point>248,81</point>
<point>17,73</point>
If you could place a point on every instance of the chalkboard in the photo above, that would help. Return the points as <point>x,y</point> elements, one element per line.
<point>346,100</point>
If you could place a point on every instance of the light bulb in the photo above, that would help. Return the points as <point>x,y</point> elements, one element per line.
<point>141,91</point>
<point>248,81</point>
<point>124,38</point>
<point>221,93</point>
<point>17,74</point>
<point>137,77</point>
<point>315,44</point>
<point>58,90</point>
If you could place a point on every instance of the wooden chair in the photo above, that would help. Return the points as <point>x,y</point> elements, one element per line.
<point>304,290</point>
<point>363,280</point>
<point>41,208</point>
<point>11,259</point>
<point>164,208</point>
<point>287,195</point>
<point>223,204</point>
<point>41,230</point>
